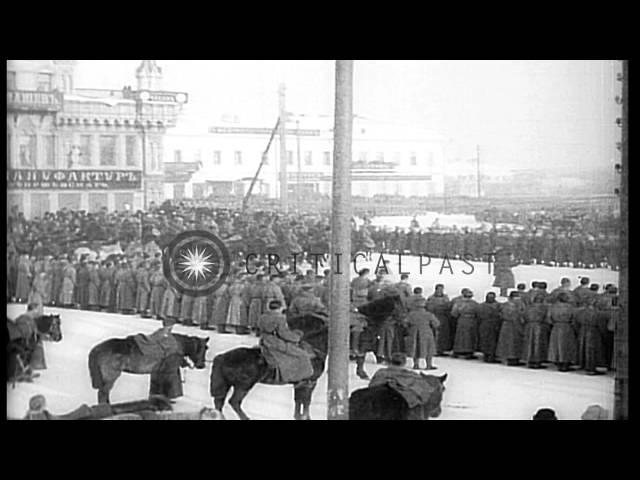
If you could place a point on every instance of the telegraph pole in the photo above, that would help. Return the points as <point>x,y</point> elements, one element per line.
<point>284,187</point>
<point>338,382</point>
<point>478,168</point>
<point>621,389</point>
<point>298,155</point>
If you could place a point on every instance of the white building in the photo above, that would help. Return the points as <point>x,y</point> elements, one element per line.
<point>388,159</point>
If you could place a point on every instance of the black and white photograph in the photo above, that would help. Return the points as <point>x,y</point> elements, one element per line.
<point>317,240</point>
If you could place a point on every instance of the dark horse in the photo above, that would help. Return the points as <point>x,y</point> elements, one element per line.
<point>241,368</point>
<point>23,347</point>
<point>376,312</point>
<point>383,403</point>
<point>109,359</point>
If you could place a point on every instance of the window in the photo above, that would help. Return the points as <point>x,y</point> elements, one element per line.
<point>413,159</point>
<point>237,157</point>
<point>44,82</point>
<point>107,150</point>
<point>177,156</point>
<point>156,155</point>
<point>27,151</point>
<point>197,156</point>
<point>131,150</point>
<point>11,80</point>
<point>308,161</point>
<point>380,157</point>
<point>85,150</point>
<point>217,157</point>
<point>327,158</point>
<point>49,150</point>
<point>289,157</point>
<point>362,156</point>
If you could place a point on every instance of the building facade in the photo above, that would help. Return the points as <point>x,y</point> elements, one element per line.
<point>85,149</point>
<point>387,160</point>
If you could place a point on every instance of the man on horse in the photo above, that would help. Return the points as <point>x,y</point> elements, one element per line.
<point>306,302</point>
<point>280,346</point>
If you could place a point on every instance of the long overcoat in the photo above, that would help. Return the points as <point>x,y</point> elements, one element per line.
<point>82,286</point>
<point>126,293</point>
<point>511,331</point>
<point>279,346</point>
<point>236,314</point>
<point>440,306</point>
<point>421,341</point>
<point>143,289</point>
<point>590,345</point>
<point>466,340</point>
<point>105,275</point>
<point>68,285</point>
<point>23,283</point>
<point>562,342</point>
<point>489,329</point>
<point>221,305</point>
<point>536,333</point>
<point>158,285</point>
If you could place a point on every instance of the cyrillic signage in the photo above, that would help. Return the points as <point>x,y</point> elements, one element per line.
<point>75,179</point>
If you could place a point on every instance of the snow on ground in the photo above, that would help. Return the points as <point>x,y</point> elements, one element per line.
<point>475,391</point>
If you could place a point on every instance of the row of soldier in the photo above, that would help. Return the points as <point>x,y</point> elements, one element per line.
<point>566,327</point>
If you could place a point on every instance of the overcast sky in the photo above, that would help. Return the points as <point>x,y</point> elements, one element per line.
<point>522,114</point>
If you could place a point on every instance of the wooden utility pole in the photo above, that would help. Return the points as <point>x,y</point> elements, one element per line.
<point>298,155</point>
<point>338,382</point>
<point>621,391</point>
<point>478,169</point>
<point>284,186</point>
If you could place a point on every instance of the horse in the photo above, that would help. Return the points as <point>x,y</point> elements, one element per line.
<point>25,347</point>
<point>109,359</point>
<point>381,402</point>
<point>376,312</point>
<point>241,368</point>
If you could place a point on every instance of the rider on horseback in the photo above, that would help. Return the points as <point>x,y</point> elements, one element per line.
<point>280,346</point>
<point>25,328</point>
<point>306,302</point>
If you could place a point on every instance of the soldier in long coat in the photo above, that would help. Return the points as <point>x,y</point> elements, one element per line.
<point>170,308</point>
<point>143,288</point>
<point>305,302</point>
<point>466,311</point>
<point>220,308</point>
<point>511,331</point>
<point>360,287</point>
<point>82,285</point>
<point>48,270</point>
<point>440,305</point>
<point>199,312</point>
<point>24,279</point>
<point>158,285</point>
<point>590,346</point>
<point>94,287</point>
<point>536,332</point>
<point>280,345</point>
<point>56,281</point>
<point>422,325</point>
<point>126,289</point>
<point>489,329</point>
<point>37,295</point>
<point>68,284</point>
<point>186,310</point>
<point>255,300</point>
<point>236,314</point>
<point>562,342</point>
<point>105,274</point>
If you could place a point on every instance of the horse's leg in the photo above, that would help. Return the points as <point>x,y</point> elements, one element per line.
<point>298,399</point>
<point>236,400</point>
<point>360,371</point>
<point>306,402</point>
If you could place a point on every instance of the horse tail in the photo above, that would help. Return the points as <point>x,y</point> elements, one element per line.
<point>218,386</point>
<point>97,381</point>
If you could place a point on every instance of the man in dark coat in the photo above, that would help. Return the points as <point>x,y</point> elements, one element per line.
<point>422,326</point>
<point>504,278</point>
<point>82,285</point>
<point>511,331</point>
<point>280,345</point>
<point>565,286</point>
<point>590,345</point>
<point>489,318</point>
<point>439,305</point>
<point>466,311</point>
<point>562,342</point>
<point>536,332</point>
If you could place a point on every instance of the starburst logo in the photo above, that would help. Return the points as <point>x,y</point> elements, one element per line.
<point>195,263</point>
